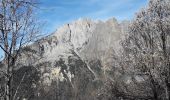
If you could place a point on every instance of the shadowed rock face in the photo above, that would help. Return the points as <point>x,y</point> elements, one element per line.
<point>74,59</point>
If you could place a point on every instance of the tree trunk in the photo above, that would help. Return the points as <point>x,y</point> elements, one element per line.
<point>167,93</point>
<point>7,93</point>
<point>154,88</point>
<point>167,90</point>
<point>8,89</point>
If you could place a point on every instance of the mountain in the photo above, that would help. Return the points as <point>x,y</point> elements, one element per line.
<point>77,59</point>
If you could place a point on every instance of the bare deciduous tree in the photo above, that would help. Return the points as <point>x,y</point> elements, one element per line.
<point>148,44</point>
<point>17,28</point>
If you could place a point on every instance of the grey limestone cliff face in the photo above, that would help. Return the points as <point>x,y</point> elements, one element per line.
<point>76,58</point>
<point>91,39</point>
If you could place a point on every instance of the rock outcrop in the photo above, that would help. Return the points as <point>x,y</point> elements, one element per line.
<point>76,58</point>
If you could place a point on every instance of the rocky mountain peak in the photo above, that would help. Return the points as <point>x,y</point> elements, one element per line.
<point>82,49</point>
<point>78,52</point>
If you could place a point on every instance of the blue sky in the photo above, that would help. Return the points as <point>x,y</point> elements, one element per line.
<point>55,13</point>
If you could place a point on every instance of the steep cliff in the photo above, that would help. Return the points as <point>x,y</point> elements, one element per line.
<point>76,58</point>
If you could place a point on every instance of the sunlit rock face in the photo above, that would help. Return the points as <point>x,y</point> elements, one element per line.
<point>90,39</point>
<point>76,57</point>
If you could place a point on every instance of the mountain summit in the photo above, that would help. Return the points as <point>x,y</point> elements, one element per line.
<point>79,55</point>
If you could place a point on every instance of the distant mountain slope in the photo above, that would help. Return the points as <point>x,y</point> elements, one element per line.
<point>78,55</point>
